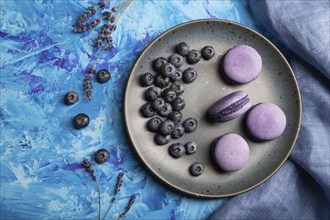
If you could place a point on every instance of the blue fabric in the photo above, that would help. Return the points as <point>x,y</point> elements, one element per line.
<point>301,188</point>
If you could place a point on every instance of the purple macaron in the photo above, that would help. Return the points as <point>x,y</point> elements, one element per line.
<point>230,152</point>
<point>265,121</point>
<point>229,107</point>
<point>241,64</point>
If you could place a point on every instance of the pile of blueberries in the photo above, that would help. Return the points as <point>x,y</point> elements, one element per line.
<point>164,100</point>
<point>82,120</point>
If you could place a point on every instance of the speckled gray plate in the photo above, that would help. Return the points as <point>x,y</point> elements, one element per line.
<point>275,84</point>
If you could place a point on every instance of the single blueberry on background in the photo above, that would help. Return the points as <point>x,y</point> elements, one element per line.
<point>166,127</point>
<point>182,49</point>
<point>208,52</point>
<point>190,125</point>
<point>191,147</point>
<point>189,75</point>
<point>175,116</point>
<point>178,87</point>
<point>158,104</point>
<point>101,156</point>
<point>196,169</point>
<point>167,70</point>
<point>177,75</point>
<point>71,98</point>
<point>166,110</point>
<point>152,93</point>
<point>153,124</point>
<point>176,60</point>
<point>81,121</point>
<point>103,76</point>
<point>161,81</point>
<point>194,56</point>
<point>161,139</point>
<point>169,95</point>
<point>146,79</point>
<point>178,104</point>
<point>177,150</point>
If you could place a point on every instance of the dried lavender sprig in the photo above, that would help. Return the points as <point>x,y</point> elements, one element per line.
<point>85,163</point>
<point>117,189</point>
<point>128,207</point>
<point>88,82</point>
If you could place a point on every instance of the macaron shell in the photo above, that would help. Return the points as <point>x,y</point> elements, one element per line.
<point>241,64</point>
<point>225,102</point>
<point>265,121</point>
<point>230,152</point>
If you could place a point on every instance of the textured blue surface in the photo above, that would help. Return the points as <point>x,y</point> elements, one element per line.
<point>41,60</point>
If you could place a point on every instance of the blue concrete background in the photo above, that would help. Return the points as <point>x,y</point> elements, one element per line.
<point>41,60</point>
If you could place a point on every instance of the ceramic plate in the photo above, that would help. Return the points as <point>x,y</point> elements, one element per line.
<point>275,84</point>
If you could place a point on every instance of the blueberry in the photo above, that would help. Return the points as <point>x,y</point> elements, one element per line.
<point>189,75</point>
<point>166,110</point>
<point>147,110</point>
<point>190,125</point>
<point>194,56</point>
<point>191,147</point>
<point>161,81</point>
<point>103,76</point>
<point>167,70</point>
<point>177,150</point>
<point>153,124</point>
<point>169,94</point>
<point>182,49</point>
<point>152,93</point>
<point>176,60</point>
<point>178,104</point>
<point>158,63</point>
<point>71,98</point>
<point>196,169</point>
<point>178,87</point>
<point>146,79</point>
<point>208,52</point>
<point>178,132</point>
<point>175,116</point>
<point>158,104</point>
<point>161,139</point>
<point>166,127</point>
<point>81,121</point>
<point>177,76</point>
<point>101,156</point>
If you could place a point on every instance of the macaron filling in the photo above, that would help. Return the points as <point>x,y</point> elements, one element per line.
<point>232,108</point>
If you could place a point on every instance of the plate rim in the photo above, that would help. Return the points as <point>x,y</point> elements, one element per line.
<point>179,189</point>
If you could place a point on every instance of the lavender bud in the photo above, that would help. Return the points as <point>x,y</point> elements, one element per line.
<point>112,19</point>
<point>114,9</point>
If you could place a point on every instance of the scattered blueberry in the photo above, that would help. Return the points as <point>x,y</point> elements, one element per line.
<point>178,87</point>
<point>161,81</point>
<point>182,49</point>
<point>158,63</point>
<point>169,95</point>
<point>71,98</point>
<point>152,93</point>
<point>177,150</point>
<point>158,104</point>
<point>177,76</point>
<point>196,169</point>
<point>178,132</point>
<point>166,110</point>
<point>81,121</point>
<point>208,52</point>
<point>178,104</point>
<point>162,140</point>
<point>175,116</point>
<point>166,127</point>
<point>153,124</point>
<point>167,70</point>
<point>101,156</point>
<point>147,110</point>
<point>189,75</point>
<point>191,147</point>
<point>146,79</point>
<point>190,125</point>
<point>103,76</point>
<point>176,60</point>
<point>194,56</point>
